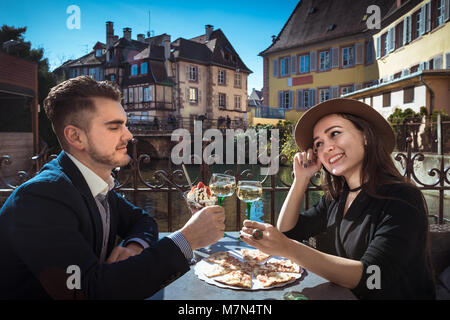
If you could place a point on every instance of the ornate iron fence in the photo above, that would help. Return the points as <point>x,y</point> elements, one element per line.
<point>170,181</point>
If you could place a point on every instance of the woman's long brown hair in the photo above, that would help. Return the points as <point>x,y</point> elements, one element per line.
<point>378,169</point>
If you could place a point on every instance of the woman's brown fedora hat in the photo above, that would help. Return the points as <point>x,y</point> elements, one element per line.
<point>305,125</point>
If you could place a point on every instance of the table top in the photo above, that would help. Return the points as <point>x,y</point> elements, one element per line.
<point>190,287</point>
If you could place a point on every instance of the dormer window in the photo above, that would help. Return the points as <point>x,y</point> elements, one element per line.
<point>98,52</point>
<point>134,70</point>
<point>144,68</point>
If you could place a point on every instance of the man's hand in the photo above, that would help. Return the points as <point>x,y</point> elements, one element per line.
<point>205,227</point>
<point>120,253</point>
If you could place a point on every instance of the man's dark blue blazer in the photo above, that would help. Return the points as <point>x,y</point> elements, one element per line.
<point>52,222</point>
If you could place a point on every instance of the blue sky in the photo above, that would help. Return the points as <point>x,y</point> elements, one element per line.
<point>248,25</point>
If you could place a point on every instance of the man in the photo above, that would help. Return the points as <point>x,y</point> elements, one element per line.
<point>67,217</point>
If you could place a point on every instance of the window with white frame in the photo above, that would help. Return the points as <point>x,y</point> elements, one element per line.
<point>324,60</point>
<point>148,93</point>
<point>348,56</point>
<point>237,102</point>
<point>285,101</point>
<point>237,80</point>
<point>285,65</point>
<point>304,63</point>
<point>130,95</point>
<point>193,95</point>
<point>222,100</point>
<point>324,94</point>
<point>306,99</point>
<point>141,94</point>
<point>418,22</point>
<point>193,73</point>
<point>221,77</point>
<point>440,12</point>
<point>346,90</point>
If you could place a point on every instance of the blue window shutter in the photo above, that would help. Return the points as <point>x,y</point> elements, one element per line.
<point>299,99</point>
<point>446,10</point>
<point>288,65</point>
<point>335,57</point>
<point>291,99</point>
<point>275,67</point>
<point>334,92</point>
<point>280,99</point>
<point>313,97</point>
<point>378,47</point>
<point>294,64</point>
<point>405,31</point>
<point>422,15</point>
<point>428,6</point>
<point>313,60</point>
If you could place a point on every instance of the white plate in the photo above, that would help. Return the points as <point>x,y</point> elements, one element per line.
<point>256,285</point>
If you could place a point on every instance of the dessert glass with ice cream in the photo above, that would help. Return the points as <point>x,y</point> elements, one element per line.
<point>199,197</point>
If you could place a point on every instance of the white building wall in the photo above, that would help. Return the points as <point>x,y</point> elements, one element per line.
<point>420,97</point>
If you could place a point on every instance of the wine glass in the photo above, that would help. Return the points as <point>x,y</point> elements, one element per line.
<point>249,192</point>
<point>222,185</point>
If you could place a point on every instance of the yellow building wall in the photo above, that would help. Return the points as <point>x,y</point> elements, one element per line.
<point>424,48</point>
<point>265,121</point>
<point>335,77</point>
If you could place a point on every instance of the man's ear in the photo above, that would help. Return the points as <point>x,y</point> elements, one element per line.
<point>75,137</point>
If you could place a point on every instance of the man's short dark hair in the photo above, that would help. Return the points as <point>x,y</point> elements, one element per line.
<point>70,103</point>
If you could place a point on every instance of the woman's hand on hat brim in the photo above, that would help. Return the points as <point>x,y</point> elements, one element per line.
<point>306,164</point>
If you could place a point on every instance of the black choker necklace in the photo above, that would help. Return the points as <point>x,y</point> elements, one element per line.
<point>355,189</point>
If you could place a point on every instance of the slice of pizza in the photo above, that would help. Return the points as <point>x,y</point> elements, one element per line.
<point>269,279</point>
<point>219,257</point>
<point>254,256</point>
<point>237,278</point>
<point>283,266</point>
<point>214,270</point>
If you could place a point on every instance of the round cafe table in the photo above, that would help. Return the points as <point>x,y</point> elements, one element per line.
<point>190,287</point>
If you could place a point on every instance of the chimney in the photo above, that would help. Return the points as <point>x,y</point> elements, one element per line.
<point>274,38</point>
<point>141,37</point>
<point>208,30</point>
<point>166,44</point>
<point>127,33</point>
<point>109,34</point>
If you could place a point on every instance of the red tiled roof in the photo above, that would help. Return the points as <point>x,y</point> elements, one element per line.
<point>311,20</point>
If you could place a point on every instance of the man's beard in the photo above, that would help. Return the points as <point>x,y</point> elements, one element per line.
<point>108,160</point>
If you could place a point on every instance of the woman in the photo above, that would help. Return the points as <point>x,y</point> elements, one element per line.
<point>373,219</point>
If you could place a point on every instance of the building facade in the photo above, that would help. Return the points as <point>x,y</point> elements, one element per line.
<point>327,49</point>
<point>413,58</point>
<point>166,82</point>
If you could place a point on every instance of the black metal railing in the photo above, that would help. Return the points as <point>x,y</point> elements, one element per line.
<point>170,181</point>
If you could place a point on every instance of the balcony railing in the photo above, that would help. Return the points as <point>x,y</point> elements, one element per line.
<point>171,181</point>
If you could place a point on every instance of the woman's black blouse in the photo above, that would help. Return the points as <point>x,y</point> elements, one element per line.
<point>388,233</point>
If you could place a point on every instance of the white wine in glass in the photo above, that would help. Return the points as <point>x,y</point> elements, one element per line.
<point>249,192</point>
<point>222,185</point>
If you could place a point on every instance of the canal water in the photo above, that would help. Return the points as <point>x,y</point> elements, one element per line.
<point>156,203</point>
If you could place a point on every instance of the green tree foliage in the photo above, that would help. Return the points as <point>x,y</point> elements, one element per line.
<point>287,144</point>
<point>12,41</point>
